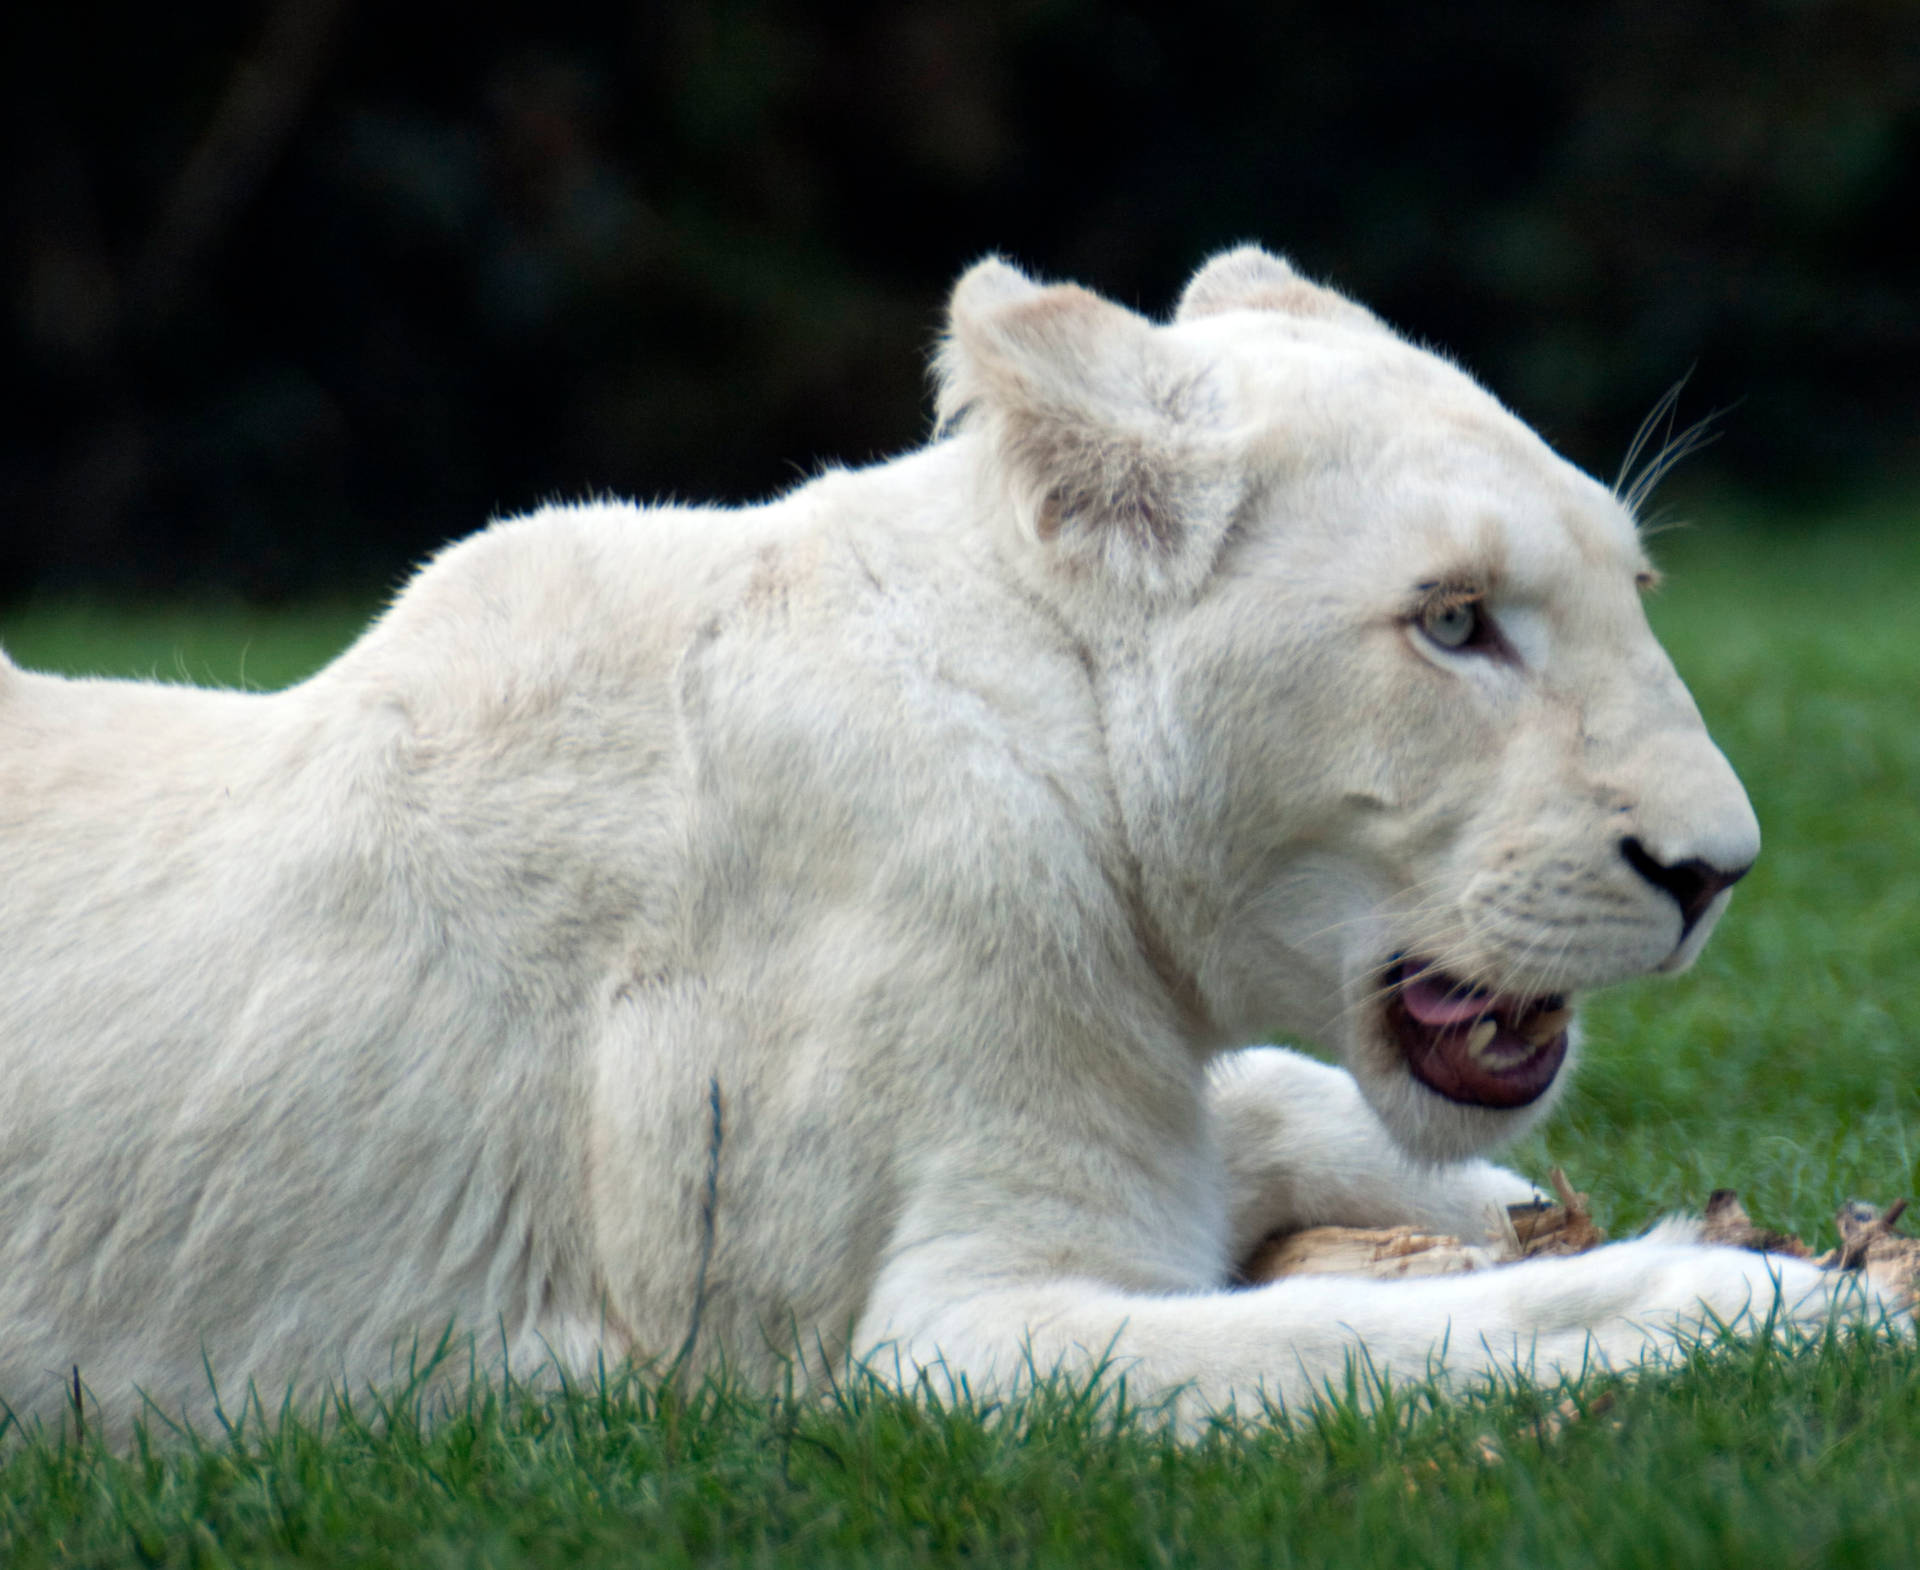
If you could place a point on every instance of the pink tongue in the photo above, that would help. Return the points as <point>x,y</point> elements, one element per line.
<point>1433,1000</point>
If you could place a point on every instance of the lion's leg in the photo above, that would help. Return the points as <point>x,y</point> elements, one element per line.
<point>1292,1341</point>
<point>1302,1148</point>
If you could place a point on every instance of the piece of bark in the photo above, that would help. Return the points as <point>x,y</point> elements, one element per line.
<point>1543,1227</point>
<point>1727,1223</point>
<point>1868,1243</point>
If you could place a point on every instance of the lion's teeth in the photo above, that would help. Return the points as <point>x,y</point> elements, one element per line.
<point>1481,1037</point>
<point>1542,1028</point>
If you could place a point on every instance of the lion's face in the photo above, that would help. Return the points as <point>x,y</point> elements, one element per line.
<point>1452,709</point>
<point>1408,770</point>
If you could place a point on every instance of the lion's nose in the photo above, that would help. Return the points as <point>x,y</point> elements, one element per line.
<point>1692,883</point>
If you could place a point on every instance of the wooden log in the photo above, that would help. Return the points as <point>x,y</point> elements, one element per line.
<point>1365,1251</point>
<point>1526,1231</point>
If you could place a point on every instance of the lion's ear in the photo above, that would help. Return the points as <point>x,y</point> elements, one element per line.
<point>1251,279</point>
<point>1110,437</point>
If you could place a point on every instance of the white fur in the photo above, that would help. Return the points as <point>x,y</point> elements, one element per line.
<point>944,822</point>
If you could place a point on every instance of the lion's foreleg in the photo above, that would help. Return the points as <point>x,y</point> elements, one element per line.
<point>1301,1148</point>
<point>1293,1342</point>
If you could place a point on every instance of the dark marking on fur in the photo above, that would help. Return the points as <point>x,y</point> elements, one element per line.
<point>709,1206</point>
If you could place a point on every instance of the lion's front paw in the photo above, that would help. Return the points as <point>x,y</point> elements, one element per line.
<point>1693,1290</point>
<point>1651,1301</point>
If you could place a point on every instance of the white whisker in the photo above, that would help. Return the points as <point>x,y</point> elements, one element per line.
<point>1637,481</point>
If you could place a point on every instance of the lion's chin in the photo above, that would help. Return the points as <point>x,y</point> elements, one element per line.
<point>1473,1046</point>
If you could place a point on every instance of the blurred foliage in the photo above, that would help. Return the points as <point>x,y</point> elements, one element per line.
<point>294,291</point>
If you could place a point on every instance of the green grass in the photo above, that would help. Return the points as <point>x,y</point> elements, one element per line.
<point>1785,1065</point>
<point>229,646</point>
<point>1746,1458</point>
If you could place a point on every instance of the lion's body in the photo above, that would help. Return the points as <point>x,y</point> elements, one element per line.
<point>813,924</point>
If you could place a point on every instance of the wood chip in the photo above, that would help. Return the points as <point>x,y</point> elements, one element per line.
<point>1564,1228</point>
<point>1727,1223</point>
<point>1868,1243</point>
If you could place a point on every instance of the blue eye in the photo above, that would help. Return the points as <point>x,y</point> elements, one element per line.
<point>1454,624</point>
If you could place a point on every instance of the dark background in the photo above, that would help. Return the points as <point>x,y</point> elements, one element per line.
<point>295,291</point>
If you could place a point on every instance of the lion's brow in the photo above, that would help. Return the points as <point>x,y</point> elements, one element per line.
<point>1463,578</point>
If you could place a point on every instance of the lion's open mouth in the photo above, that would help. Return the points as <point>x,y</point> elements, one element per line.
<point>1486,1049</point>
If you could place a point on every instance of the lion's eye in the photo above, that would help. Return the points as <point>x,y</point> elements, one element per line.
<point>1454,624</point>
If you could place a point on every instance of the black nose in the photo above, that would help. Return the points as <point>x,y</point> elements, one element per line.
<point>1692,883</point>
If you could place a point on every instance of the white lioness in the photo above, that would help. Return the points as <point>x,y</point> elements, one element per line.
<point>815,930</point>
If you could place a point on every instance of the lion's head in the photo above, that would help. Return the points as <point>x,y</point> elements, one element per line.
<point>1402,766</point>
